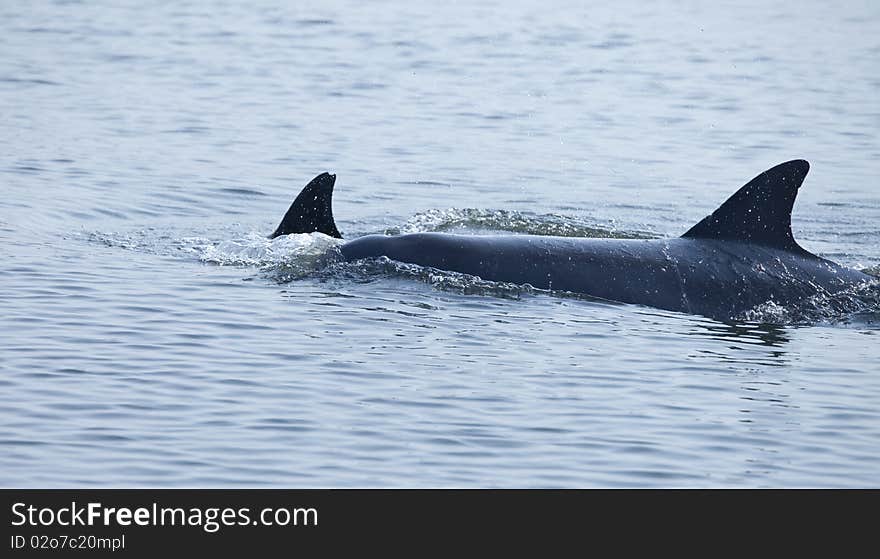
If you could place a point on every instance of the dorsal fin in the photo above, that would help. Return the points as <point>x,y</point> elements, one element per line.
<point>760,211</point>
<point>312,210</point>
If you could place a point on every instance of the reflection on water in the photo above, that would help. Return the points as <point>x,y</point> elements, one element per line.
<point>766,334</point>
<point>740,340</point>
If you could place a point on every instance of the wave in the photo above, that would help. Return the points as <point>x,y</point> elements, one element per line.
<point>858,305</point>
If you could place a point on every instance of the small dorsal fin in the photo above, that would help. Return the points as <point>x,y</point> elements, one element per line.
<point>760,211</point>
<point>312,210</point>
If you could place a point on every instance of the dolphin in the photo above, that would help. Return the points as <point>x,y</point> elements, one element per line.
<point>741,256</point>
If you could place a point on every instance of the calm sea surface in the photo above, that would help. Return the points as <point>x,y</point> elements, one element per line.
<point>151,336</point>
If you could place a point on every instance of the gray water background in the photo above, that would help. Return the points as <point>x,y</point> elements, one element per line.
<point>150,335</point>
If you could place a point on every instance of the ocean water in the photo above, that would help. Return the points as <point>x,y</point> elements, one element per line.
<point>150,335</point>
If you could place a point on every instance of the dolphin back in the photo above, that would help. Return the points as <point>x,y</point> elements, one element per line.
<point>760,211</point>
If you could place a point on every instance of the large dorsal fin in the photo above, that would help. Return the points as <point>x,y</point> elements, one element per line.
<point>312,210</point>
<point>760,211</point>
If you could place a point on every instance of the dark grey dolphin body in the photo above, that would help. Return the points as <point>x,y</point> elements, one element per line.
<point>740,256</point>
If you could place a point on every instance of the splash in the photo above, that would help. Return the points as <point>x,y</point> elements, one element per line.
<point>282,259</point>
<point>872,271</point>
<point>303,251</point>
<point>472,219</point>
<point>384,268</point>
<point>290,256</point>
<point>858,305</point>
